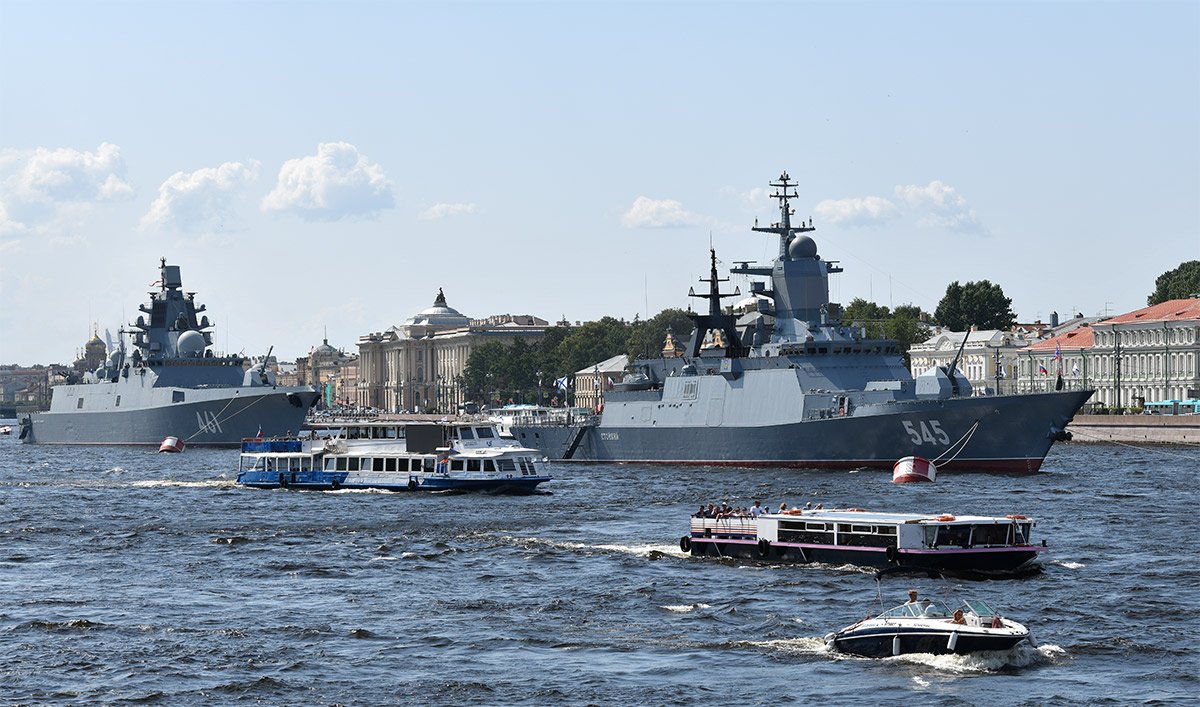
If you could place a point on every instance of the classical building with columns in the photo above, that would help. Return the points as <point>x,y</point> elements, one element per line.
<point>418,365</point>
<point>988,357</point>
<point>1148,355</point>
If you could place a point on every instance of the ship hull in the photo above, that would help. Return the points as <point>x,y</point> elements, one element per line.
<point>214,417</point>
<point>1014,434</point>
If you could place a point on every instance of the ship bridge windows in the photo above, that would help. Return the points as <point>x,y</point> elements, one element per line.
<point>485,433</point>
<point>465,433</point>
<point>937,535</point>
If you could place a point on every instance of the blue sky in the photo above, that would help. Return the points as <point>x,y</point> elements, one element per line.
<point>316,165</point>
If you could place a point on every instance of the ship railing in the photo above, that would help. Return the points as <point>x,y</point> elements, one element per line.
<point>557,418</point>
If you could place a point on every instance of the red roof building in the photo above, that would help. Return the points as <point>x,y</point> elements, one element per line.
<point>1148,355</point>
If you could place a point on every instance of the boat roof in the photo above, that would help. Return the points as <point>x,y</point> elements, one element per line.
<point>865,517</point>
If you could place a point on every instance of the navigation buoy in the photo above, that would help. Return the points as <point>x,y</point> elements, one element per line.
<point>171,444</point>
<point>913,469</point>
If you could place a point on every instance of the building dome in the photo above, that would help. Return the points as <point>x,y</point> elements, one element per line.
<point>440,315</point>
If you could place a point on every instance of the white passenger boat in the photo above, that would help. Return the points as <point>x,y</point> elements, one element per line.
<point>941,542</point>
<point>395,456</point>
<point>930,627</point>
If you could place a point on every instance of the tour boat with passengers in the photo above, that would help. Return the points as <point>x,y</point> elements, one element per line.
<point>394,456</point>
<point>930,627</point>
<point>940,542</point>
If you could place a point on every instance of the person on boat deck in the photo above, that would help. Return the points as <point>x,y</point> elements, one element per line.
<point>928,608</point>
<point>958,617</point>
<point>912,597</point>
<point>711,512</point>
<point>756,510</point>
<point>700,513</point>
<point>782,507</point>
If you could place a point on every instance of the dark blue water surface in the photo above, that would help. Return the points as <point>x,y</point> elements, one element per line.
<point>130,576</point>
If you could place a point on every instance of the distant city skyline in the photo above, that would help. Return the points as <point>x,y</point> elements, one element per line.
<point>327,166</point>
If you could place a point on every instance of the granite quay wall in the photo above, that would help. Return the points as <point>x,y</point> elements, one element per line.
<point>1151,429</point>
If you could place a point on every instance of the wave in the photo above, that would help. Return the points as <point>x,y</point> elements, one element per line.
<point>1069,565</point>
<point>685,608</point>
<point>165,483</point>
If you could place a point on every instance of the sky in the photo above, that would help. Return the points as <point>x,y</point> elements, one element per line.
<point>323,168</point>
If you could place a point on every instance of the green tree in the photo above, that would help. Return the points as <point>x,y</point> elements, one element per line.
<point>980,304</point>
<point>645,339</point>
<point>1180,283</point>
<point>905,325</point>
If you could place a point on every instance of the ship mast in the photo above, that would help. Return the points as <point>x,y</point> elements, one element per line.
<point>783,228</point>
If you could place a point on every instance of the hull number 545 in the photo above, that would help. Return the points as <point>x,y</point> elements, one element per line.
<point>926,431</point>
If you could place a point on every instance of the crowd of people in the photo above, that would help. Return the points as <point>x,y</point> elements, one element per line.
<point>724,510</point>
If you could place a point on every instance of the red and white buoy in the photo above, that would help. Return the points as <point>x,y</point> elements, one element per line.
<point>913,469</point>
<point>171,444</point>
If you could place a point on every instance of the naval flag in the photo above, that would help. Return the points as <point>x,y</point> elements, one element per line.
<point>561,383</point>
<point>1075,369</point>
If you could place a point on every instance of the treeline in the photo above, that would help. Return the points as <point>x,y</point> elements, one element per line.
<point>525,373</point>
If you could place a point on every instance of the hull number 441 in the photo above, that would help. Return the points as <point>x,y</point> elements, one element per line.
<point>926,431</point>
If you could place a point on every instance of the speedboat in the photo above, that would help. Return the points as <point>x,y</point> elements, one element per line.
<point>930,627</point>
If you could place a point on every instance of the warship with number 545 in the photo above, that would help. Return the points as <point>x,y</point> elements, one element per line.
<point>171,385</point>
<point>794,384</point>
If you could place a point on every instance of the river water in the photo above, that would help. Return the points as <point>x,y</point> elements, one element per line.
<point>135,577</point>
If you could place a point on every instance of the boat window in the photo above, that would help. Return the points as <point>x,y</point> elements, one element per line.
<point>885,530</point>
<point>465,433</point>
<point>959,535</point>
<point>427,464</point>
<point>353,463</point>
<point>330,464</point>
<point>79,404</point>
<point>505,465</point>
<point>816,526</point>
<point>456,465</point>
<point>1023,533</point>
<point>343,463</point>
<point>118,402</point>
<point>860,529</point>
<point>484,432</point>
<point>472,465</point>
<point>376,433</point>
<point>177,396</point>
<point>390,433</point>
<point>980,608</point>
<point>293,464</point>
<point>991,534</point>
<point>377,464</point>
<point>488,465</point>
<point>389,464</point>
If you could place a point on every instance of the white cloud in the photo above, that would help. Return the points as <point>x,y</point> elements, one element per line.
<point>35,184</point>
<point>857,211</point>
<point>335,183</point>
<point>202,200</point>
<point>438,211</point>
<point>947,208</point>
<point>658,213</point>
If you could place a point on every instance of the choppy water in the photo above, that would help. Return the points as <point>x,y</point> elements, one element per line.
<point>129,576</point>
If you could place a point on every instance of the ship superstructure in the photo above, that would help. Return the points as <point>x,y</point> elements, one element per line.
<point>171,384</point>
<point>793,384</point>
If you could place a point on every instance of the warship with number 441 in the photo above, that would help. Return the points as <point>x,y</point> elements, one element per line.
<point>793,384</point>
<point>171,385</point>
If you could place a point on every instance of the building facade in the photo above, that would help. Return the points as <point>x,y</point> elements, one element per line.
<point>989,357</point>
<point>329,371</point>
<point>418,366</point>
<point>1148,355</point>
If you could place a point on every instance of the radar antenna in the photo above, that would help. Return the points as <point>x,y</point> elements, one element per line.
<point>785,189</point>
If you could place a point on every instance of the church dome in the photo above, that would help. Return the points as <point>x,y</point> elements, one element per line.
<point>440,315</point>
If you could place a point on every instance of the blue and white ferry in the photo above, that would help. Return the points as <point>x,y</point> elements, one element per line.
<point>395,456</point>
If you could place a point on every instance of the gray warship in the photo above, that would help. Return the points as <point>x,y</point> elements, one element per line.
<point>794,385</point>
<point>172,385</point>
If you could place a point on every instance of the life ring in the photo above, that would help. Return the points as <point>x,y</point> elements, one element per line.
<point>412,484</point>
<point>1016,517</point>
<point>685,543</point>
<point>892,553</point>
<point>795,512</point>
<point>945,517</point>
<point>764,549</point>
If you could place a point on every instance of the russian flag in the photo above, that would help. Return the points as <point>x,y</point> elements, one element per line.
<point>1057,352</point>
<point>1042,369</point>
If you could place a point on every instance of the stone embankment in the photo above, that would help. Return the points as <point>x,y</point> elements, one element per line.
<point>1144,429</point>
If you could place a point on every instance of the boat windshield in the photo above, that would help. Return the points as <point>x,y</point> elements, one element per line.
<point>919,609</point>
<point>980,608</point>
